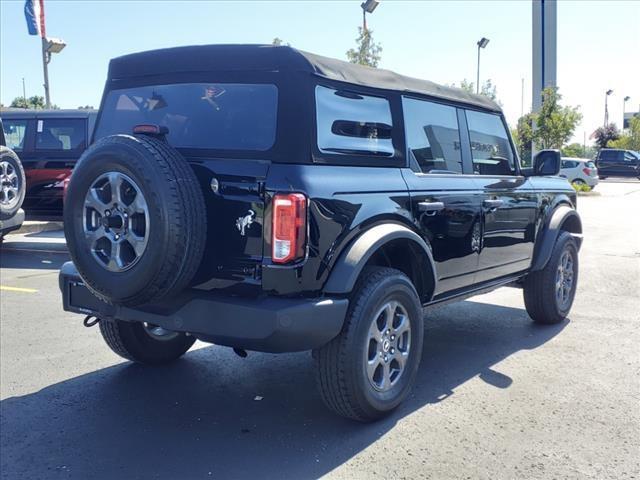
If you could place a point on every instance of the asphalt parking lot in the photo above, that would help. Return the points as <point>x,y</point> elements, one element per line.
<point>496,396</point>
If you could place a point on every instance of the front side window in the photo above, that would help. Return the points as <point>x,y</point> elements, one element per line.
<point>433,138</point>
<point>491,151</point>
<point>224,116</point>
<point>60,134</point>
<point>353,124</point>
<point>14,133</point>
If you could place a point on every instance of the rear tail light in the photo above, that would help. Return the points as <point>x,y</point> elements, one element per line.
<point>289,227</point>
<point>587,171</point>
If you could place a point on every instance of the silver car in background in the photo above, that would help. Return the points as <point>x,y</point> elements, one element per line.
<point>581,171</point>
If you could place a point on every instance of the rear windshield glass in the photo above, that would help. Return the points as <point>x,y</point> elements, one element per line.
<point>225,116</point>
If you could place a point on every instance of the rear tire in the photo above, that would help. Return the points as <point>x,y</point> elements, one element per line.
<point>549,293</point>
<point>135,341</point>
<point>359,373</point>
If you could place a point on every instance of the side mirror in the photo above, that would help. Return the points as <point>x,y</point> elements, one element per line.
<point>546,163</point>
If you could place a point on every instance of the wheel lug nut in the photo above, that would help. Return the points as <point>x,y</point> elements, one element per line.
<point>386,359</point>
<point>388,332</point>
<point>117,236</point>
<point>107,213</point>
<point>393,350</point>
<point>393,337</point>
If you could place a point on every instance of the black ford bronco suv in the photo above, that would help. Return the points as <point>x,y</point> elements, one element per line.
<point>269,199</point>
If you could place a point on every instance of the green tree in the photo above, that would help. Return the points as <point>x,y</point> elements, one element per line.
<point>488,89</point>
<point>367,52</point>
<point>554,123</point>
<point>278,42</point>
<point>629,140</point>
<point>86,107</point>
<point>35,103</point>
<point>524,137</point>
<point>572,150</point>
<point>606,134</point>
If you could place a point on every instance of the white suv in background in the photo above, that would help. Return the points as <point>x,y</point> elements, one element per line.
<point>579,170</point>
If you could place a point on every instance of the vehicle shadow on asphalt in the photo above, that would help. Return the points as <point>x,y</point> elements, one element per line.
<point>215,415</point>
<point>19,255</point>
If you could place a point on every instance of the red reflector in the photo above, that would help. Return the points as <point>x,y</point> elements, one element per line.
<point>289,227</point>
<point>151,128</point>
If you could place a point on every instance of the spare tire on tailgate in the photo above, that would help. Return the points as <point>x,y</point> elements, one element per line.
<point>134,219</point>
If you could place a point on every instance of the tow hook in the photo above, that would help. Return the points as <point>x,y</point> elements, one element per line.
<point>90,321</point>
<point>240,352</point>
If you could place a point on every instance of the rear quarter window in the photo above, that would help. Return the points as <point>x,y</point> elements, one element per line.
<point>350,123</point>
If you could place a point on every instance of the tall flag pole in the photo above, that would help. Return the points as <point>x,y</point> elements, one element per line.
<point>34,14</point>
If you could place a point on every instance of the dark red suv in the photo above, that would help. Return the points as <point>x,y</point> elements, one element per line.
<point>49,143</point>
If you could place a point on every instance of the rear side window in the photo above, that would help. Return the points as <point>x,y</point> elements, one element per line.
<point>490,147</point>
<point>61,134</point>
<point>353,124</point>
<point>433,138</point>
<point>220,116</point>
<point>14,133</point>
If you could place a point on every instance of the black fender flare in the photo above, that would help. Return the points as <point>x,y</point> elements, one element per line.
<point>351,262</point>
<point>549,234</point>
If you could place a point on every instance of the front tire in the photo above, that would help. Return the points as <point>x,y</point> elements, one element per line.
<point>369,368</point>
<point>12,183</point>
<point>144,343</point>
<point>549,293</point>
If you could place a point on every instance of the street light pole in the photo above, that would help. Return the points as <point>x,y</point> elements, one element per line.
<point>45,67</point>
<point>482,43</point>
<point>368,6</point>
<point>606,106</point>
<point>624,108</point>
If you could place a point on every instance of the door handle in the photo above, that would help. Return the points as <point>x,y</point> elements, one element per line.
<point>430,208</point>
<point>492,203</point>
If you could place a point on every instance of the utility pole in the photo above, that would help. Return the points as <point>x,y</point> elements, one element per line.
<point>24,91</point>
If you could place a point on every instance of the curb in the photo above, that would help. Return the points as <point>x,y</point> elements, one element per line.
<point>37,227</point>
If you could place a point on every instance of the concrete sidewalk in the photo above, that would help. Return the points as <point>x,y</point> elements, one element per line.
<point>33,226</point>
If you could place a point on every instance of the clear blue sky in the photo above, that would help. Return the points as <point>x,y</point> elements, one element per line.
<point>598,43</point>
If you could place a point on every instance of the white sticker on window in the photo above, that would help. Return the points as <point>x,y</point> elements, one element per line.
<point>39,129</point>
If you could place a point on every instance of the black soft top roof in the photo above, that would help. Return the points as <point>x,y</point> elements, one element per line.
<point>269,58</point>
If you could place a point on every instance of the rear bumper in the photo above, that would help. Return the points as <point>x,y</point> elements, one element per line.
<point>267,324</point>
<point>12,223</point>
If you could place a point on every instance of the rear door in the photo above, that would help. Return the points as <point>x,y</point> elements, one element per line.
<point>608,162</point>
<point>630,164</point>
<point>445,202</point>
<point>509,201</point>
<point>58,143</point>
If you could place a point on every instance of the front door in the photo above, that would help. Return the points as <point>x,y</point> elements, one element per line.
<point>509,202</point>
<point>445,203</point>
